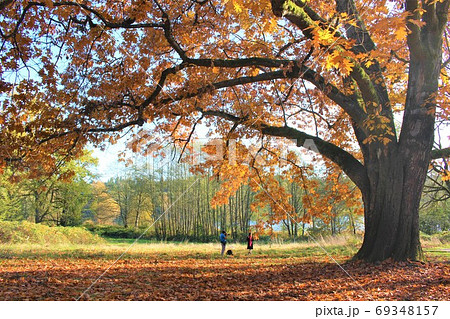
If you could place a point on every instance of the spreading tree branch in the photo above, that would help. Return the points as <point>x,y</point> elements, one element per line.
<point>440,153</point>
<point>348,103</point>
<point>347,162</point>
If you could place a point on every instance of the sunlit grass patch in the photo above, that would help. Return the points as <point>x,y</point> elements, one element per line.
<point>29,233</point>
<point>340,248</point>
<point>172,250</point>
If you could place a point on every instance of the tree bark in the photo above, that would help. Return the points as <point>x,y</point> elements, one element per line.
<point>391,212</point>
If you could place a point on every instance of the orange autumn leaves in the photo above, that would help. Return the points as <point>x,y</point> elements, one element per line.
<point>254,278</point>
<point>103,63</point>
<point>269,174</point>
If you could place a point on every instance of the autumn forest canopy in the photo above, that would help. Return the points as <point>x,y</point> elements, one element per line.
<point>365,82</point>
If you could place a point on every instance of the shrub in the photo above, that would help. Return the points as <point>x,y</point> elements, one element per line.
<point>109,231</point>
<point>116,231</point>
<point>444,237</point>
<point>425,236</point>
<point>26,232</point>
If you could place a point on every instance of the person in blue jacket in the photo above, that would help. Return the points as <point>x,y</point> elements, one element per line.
<point>223,241</point>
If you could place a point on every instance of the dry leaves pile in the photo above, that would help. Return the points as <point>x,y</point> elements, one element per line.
<point>215,279</point>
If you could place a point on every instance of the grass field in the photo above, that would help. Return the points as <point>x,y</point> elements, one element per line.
<point>187,271</point>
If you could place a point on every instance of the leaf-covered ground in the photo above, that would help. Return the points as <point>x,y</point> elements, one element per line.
<point>183,275</point>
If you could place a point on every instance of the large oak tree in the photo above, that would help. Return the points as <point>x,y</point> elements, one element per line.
<point>364,80</point>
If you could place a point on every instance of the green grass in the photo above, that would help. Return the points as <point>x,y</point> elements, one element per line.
<point>436,247</point>
<point>438,253</point>
<point>127,241</point>
<point>59,242</point>
<point>113,248</point>
<point>170,251</point>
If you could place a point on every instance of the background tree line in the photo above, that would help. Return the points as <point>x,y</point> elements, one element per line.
<point>178,204</point>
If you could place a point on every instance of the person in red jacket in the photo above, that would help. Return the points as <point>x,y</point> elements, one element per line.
<point>250,242</point>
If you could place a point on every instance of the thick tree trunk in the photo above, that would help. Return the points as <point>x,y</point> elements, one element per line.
<point>391,202</point>
<point>392,214</point>
<point>397,171</point>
